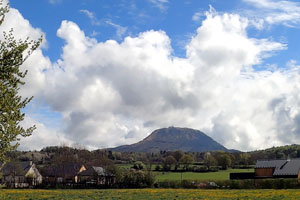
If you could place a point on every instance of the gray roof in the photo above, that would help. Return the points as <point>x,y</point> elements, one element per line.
<point>269,163</point>
<point>17,168</point>
<point>289,168</point>
<point>94,171</point>
<point>100,171</point>
<point>282,167</point>
<point>63,170</point>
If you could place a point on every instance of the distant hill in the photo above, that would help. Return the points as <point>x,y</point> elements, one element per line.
<point>280,152</point>
<point>172,139</point>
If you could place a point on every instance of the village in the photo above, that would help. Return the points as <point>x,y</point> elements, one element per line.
<point>26,174</point>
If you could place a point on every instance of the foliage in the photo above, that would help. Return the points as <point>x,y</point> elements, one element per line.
<point>137,179</point>
<point>178,155</point>
<point>13,53</point>
<point>223,160</point>
<point>187,160</point>
<point>169,161</point>
<point>209,160</point>
<point>138,165</point>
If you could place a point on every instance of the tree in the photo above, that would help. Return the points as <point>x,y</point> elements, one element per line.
<point>13,53</point>
<point>186,160</point>
<point>168,162</point>
<point>244,158</point>
<point>209,160</point>
<point>138,165</point>
<point>223,160</point>
<point>178,155</point>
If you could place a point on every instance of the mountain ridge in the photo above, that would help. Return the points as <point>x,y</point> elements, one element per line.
<point>172,139</point>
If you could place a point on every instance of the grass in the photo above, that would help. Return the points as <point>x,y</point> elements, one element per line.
<point>124,166</point>
<point>151,194</point>
<point>220,175</point>
<point>173,176</point>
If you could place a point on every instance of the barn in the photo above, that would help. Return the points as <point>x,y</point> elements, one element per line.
<point>277,168</point>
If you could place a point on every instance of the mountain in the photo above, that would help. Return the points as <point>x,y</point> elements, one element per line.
<point>172,139</point>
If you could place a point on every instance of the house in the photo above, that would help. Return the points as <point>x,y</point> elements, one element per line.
<point>20,174</point>
<point>277,168</point>
<point>63,173</point>
<point>96,176</point>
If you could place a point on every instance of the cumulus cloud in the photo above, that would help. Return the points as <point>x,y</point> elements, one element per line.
<point>138,83</point>
<point>42,137</point>
<point>37,62</point>
<point>112,93</point>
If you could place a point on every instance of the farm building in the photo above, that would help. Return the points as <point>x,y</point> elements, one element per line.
<point>277,168</point>
<point>20,174</point>
<point>271,169</point>
<point>96,176</point>
<point>62,173</point>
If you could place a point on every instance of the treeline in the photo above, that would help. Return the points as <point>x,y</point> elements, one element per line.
<point>163,160</point>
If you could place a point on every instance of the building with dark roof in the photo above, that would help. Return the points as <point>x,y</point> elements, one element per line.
<point>277,168</point>
<point>96,176</point>
<point>63,173</point>
<point>21,174</point>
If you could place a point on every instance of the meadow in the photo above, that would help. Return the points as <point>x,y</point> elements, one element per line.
<point>176,176</point>
<point>220,175</point>
<point>151,194</point>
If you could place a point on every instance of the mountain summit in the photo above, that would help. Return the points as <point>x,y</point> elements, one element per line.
<point>172,139</point>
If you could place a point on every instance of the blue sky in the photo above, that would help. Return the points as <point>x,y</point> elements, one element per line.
<point>110,72</point>
<point>173,17</point>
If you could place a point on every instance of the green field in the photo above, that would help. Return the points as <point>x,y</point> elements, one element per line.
<point>173,176</point>
<point>151,194</point>
<point>220,175</point>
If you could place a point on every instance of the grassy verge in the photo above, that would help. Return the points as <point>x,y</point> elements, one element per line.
<point>176,194</point>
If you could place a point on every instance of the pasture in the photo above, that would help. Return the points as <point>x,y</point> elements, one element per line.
<point>176,176</point>
<point>220,175</point>
<point>151,194</point>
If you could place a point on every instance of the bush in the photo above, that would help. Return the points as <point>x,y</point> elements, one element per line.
<point>200,169</point>
<point>139,165</point>
<point>137,179</point>
<point>277,184</point>
<point>214,169</point>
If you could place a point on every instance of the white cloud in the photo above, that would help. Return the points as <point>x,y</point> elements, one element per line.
<point>54,1</point>
<point>37,62</point>
<point>161,4</point>
<point>275,12</point>
<point>197,16</point>
<point>91,16</point>
<point>43,136</point>
<point>120,29</point>
<point>112,93</point>
<point>137,83</point>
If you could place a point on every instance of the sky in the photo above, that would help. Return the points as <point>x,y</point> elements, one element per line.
<point>108,73</point>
